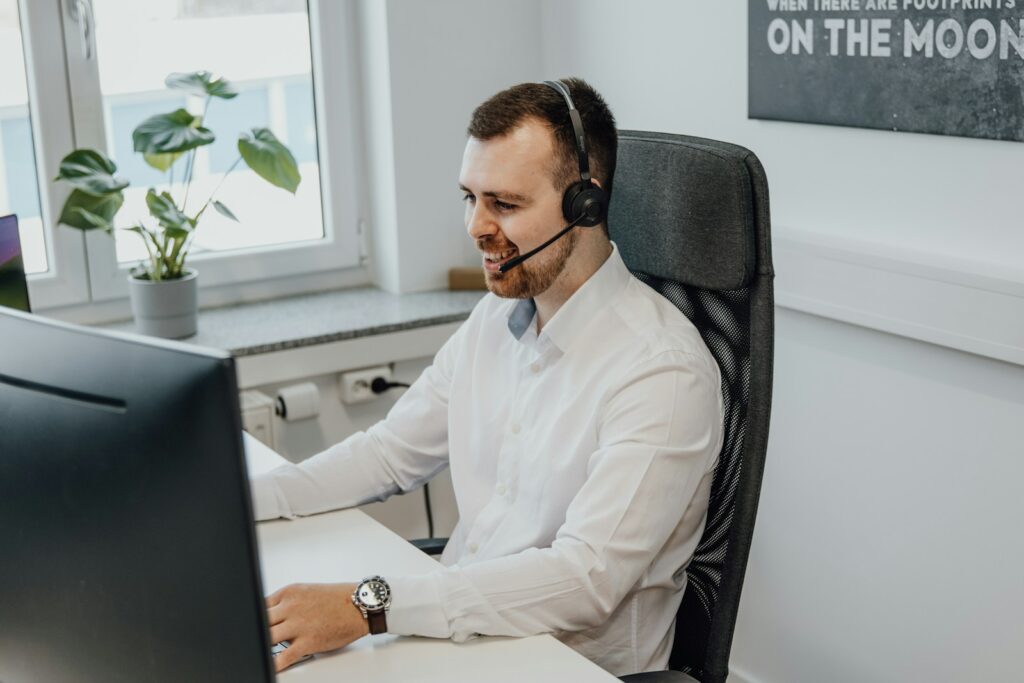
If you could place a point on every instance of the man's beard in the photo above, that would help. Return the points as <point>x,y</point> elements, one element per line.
<point>530,278</point>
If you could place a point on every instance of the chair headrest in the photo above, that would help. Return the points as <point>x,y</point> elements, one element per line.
<point>682,208</point>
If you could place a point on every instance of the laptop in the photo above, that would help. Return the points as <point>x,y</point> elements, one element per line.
<point>13,285</point>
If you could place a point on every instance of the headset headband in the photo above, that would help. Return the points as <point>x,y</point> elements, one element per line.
<point>577,126</point>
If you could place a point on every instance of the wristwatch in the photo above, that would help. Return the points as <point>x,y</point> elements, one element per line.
<point>373,598</point>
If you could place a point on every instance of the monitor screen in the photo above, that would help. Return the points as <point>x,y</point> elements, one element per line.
<point>13,286</point>
<point>127,546</point>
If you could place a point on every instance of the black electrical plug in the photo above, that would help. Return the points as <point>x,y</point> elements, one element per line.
<point>379,385</point>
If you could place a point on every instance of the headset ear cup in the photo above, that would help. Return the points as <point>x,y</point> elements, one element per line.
<point>585,199</point>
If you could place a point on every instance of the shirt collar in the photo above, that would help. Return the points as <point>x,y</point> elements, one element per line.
<point>571,319</point>
<point>520,317</point>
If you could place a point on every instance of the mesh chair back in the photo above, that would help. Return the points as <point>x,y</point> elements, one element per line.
<point>690,217</point>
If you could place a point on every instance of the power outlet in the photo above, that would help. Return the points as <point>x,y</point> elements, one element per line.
<point>354,385</point>
<point>257,416</point>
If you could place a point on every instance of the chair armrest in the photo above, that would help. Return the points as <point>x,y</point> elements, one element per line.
<point>431,546</point>
<point>658,677</point>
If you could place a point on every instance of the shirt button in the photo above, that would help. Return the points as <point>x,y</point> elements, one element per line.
<point>535,368</point>
<point>472,547</point>
<point>515,429</point>
<point>501,489</point>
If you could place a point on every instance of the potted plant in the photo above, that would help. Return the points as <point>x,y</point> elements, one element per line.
<point>162,288</point>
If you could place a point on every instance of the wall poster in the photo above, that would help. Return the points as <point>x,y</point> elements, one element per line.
<point>952,67</point>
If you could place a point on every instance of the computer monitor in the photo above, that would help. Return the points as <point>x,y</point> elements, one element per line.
<point>13,286</point>
<point>127,545</point>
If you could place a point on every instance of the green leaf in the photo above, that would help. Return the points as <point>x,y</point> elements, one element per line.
<point>178,131</point>
<point>90,171</point>
<point>269,158</point>
<point>201,83</point>
<point>86,211</point>
<point>139,230</point>
<point>171,218</point>
<point>92,220</point>
<point>175,233</point>
<point>224,211</point>
<point>162,162</point>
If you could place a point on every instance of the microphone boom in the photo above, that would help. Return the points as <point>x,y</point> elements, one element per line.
<point>510,264</point>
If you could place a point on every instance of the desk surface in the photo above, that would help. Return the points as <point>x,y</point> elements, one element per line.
<point>321,549</point>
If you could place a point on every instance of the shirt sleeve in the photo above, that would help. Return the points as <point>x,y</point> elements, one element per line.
<point>399,453</point>
<point>659,436</point>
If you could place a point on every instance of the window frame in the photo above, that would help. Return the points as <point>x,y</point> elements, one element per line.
<point>84,267</point>
<point>66,282</point>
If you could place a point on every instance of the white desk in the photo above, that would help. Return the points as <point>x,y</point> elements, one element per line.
<point>348,545</point>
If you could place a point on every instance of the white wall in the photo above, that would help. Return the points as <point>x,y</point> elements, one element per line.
<point>430,64</point>
<point>886,546</point>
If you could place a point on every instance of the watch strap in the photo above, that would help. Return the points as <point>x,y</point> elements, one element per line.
<point>378,622</point>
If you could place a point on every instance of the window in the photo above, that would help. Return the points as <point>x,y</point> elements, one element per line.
<point>19,189</point>
<point>112,64</point>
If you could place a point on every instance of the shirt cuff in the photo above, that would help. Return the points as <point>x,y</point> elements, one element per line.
<point>416,608</point>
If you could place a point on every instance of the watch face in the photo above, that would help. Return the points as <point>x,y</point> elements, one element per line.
<point>374,594</point>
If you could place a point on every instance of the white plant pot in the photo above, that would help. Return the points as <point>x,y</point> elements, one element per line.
<point>167,308</point>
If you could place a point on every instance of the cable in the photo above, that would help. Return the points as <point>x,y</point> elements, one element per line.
<point>430,513</point>
<point>378,386</point>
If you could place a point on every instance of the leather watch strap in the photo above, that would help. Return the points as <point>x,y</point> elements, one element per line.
<point>378,622</point>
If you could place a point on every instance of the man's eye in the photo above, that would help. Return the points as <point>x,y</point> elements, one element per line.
<point>504,206</point>
<point>468,197</point>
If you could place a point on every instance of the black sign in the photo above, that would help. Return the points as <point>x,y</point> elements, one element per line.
<point>953,67</point>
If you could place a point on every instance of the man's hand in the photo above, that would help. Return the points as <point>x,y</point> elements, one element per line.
<point>315,617</point>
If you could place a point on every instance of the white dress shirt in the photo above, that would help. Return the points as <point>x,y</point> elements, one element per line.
<point>581,460</point>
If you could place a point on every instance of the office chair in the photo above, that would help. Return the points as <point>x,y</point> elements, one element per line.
<point>690,218</point>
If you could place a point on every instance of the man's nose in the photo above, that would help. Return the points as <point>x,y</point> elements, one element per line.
<point>479,222</point>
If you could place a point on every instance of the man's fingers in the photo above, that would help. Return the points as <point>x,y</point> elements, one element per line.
<point>295,652</point>
<point>287,658</point>
<point>275,614</point>
<point>281,632</point>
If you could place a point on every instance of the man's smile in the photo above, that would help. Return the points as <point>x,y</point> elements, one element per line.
<point>494,259</point>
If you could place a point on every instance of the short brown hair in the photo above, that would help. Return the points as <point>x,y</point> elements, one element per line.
<point>508,109</point>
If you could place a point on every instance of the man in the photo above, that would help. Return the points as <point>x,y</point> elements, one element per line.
<point>579,411</point>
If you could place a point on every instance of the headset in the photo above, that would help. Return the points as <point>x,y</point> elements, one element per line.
<point>583,198</point>
<point>584,203</point>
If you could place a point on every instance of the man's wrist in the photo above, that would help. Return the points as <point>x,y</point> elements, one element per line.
<point>364,626</point>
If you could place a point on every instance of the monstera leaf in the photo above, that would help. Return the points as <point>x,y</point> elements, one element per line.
<point>162,162</point>
<point>202,83</point>
<point>178,131</point>
<point>91,212</point>
<point>174,222</point>
<point>91,172</point>
<point>269,158</point>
